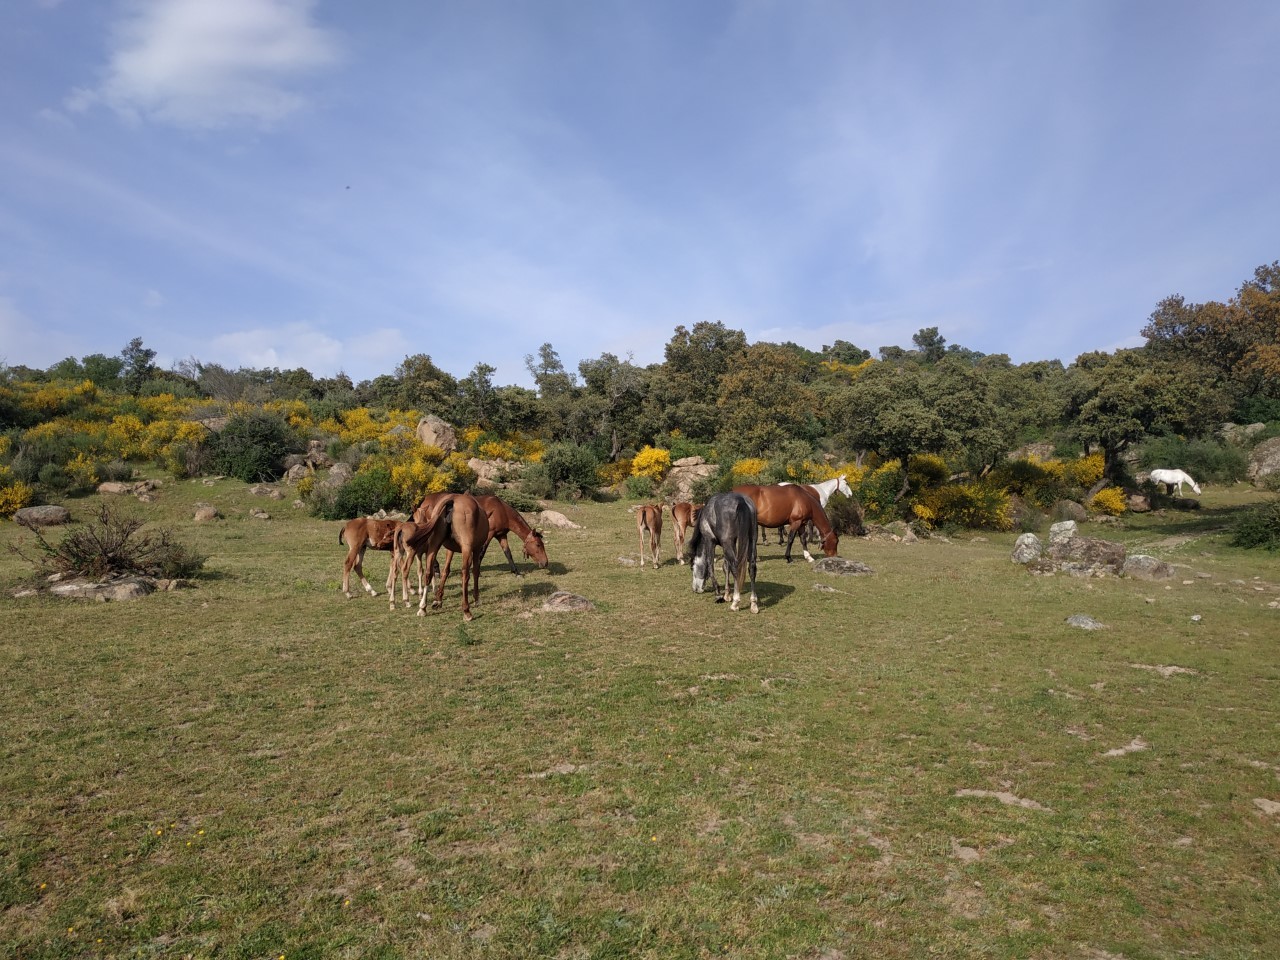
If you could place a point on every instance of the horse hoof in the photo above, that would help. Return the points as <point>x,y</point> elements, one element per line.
<point>421,612</point>
<point>467,617</point>
<point>719,599</point>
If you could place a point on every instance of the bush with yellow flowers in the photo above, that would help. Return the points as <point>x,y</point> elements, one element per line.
<point>749,470</point>
<point>612,474</point>
<point>1109,500</point>
<point>1085,471</point>
<point>14,494</point>
<point>974,506</point>
<point>651,462</point>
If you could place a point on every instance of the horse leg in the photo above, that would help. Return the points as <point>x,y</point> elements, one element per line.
<point>640,531</point>
<point>502,542</point>
<point>360,570</point>
<point>422,600</point>
<point>448,562</point>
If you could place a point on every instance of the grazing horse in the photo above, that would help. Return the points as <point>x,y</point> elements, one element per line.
<point>504,519</point>
<point>727,519</point>
<point>360,534</point>
<point>649,517</point>
<point>1172,478</point>
<point>460,525</point>
<point>791,506</point>
<point>683,515</point>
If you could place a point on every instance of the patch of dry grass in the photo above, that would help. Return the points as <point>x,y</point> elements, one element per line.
<point>259,766</point>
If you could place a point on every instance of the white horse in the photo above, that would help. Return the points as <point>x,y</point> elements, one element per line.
<point>1172,478</point>
<point>827,487</point>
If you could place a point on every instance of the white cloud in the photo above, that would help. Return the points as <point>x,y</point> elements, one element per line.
<point>202,64</point>
<point>362,356</point>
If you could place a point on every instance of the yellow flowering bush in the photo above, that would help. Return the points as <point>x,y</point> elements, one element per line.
<point>126,436</point>
<point>469,435</point>
<point>611,474</point>
<point>975,506</point>
<point>1085,471</point>
<point>82,471</point>
<point>651,462</point>
<point>497,450</point>
<point>295,412</point>
<point>1109,500</point>
<point>924,514</point>
<point>15,495</point>
<point>749,470</point>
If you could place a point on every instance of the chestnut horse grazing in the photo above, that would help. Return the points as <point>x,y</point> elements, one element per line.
<point>649,517</point>
<point>358,535</point>
<point>460,525</point>
<point>683,515</point>
<point>504,519</point>
<point>727,519</point>
<point>791,506</point>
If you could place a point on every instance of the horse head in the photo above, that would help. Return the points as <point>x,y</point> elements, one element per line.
<point>535,549</point>
<point>843,487</point>
<point>830,542</point>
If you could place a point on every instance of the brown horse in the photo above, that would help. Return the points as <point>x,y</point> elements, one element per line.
<point>460,525</point>
<point>649,517</point>
<point>791,506</point>
<point>683,515</point>
<point>504,519</point>
<point>359,535</point>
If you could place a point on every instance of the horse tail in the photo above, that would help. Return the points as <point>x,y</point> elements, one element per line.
<point>342,532</point>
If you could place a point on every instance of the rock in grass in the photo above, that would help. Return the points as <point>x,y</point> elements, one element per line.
<point>1027,548</point>
<point>842,567</point>
<point>564,602</point>
<point>1142,567</point>
<point>46,515</point>
<point>1085,622</point>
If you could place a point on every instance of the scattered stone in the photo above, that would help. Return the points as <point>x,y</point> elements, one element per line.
<point>1137,503</point>
<point>115,487</point>
<point>1264,460</point>
<point>1004,797</point>
<point>46,515</point>
<point>1133,746</point>
<point>266,490</point>
<point>1165,671</point>
<point>564,602</point>
<point>1269,807</point>
<point>1064,530</point>
<point>1196,618</point>
<point>1142,567</point>
<point>842,567</point>
<point>1027,548</point>
<point>685,474</point>
<point>1069,510</point>
<point>206,513</point>
<point>259,514</point>
<point>824,588</point>
<point>627,561</point>
<point>550,518</point>
<point>1085,622</point>
<point>559,770</point>
<point>126,588</point>
<point>296,473</point>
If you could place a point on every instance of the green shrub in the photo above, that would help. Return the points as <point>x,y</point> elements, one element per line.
<point>973,506</point>
<point>846,515</point>
<point>114,471</point>
<point>571,470</point>
<point>54,477</point>
<point>252,447</point>
<point>367,492</point>
<point>639,487</point>
<point>536,482</point>
<point>1260,527</point>
<point>1213,460</point>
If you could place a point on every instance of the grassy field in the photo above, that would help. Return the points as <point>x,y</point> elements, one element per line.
<point>927,761</point>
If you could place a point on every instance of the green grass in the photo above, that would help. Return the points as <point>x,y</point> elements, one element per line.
<point>259,767</point>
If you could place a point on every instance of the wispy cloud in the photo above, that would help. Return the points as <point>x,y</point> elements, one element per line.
<point>201,64</point>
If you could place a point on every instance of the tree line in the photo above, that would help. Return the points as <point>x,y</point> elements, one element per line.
<point>717,395</point>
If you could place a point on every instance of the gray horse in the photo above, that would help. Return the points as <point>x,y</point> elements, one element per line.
<point>727,519</point>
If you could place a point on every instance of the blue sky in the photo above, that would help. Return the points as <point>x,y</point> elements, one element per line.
<point>338,185</point>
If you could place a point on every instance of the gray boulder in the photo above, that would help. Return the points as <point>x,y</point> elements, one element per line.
<point>1069,510</point>
<point>1142,567</point>
<point>1027,548</point>
<point>435,432</point>
<point>1264,461</point>
<point>564,602</point>
<point>1065,530</point>
<point>1085,622</point>
<point>842,567</point>
<point>685,474</point>
<point>1083,557</point>
<point>47,515</point>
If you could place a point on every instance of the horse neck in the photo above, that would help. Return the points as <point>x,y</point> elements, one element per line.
<point>825,489</point>
<point>517,523</point>
<point>819,518</point>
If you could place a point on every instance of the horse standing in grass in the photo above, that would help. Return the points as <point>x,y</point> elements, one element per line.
<point>727,519</point>
<point>791,506</point>
<point>1174,478</point>
<point>649,518</point>
<point>460,525</point>
<point>823,492</point>
<point>683,515</point>
<point>359,535</point>
<point>504,519</point>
